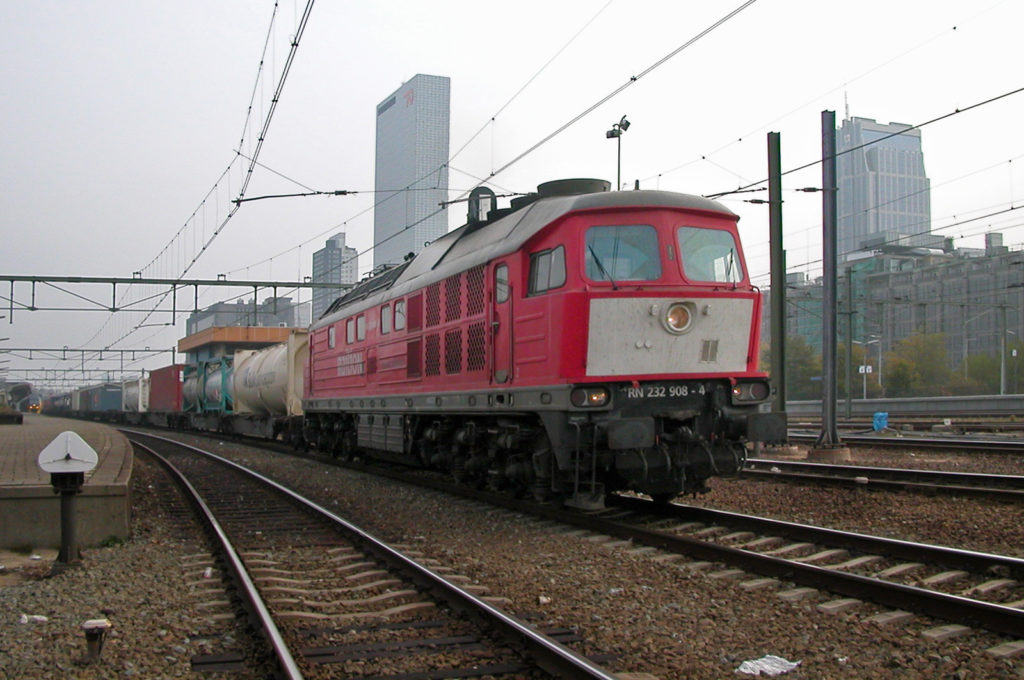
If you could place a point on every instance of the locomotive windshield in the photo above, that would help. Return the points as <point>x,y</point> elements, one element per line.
<point>709,255</point>
<point>622,253</point>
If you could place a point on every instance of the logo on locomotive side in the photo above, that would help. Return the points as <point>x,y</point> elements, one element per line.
<point>351,364</point>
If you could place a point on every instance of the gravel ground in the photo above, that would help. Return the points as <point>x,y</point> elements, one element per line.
<point>140,586</point>
<point>657,617</point>
<point>987,526</point>
<point>950,461</point>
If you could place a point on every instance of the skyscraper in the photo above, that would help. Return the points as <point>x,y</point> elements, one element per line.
<point>334,263</point>
<point>411,168</point>
<point>884,195</point>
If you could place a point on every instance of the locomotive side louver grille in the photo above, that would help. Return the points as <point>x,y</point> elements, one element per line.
<point>709,351</point>
<point>433,305</point>
<point>453,298</point>
<point>453,351</point>
<point>475,291</point>
<point>476,357</point>
<point>433,355</point>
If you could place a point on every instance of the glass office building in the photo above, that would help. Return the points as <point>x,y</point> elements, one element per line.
<point>884,194</point>
<point>411,168</point>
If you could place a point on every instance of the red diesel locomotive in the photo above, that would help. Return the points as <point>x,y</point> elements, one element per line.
<point>577,343</point>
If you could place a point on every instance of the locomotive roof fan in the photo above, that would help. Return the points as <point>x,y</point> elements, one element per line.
<point>563,187</point>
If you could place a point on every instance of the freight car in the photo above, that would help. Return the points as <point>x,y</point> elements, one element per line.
<point>256,393</point>
<point>578,343</point>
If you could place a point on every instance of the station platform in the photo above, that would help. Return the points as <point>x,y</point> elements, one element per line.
<point>28,505</point>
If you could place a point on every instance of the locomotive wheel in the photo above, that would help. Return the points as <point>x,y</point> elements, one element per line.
<point>346,449</point>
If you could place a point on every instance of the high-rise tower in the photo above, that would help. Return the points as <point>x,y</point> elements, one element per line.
<point>334,263</point>
<point>884,194</point>
<point>411,168</point>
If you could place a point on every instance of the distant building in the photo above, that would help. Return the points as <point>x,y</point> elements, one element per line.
<point>411,168</point>
<point>272,312</point>
<point>334,263</point>
<point>884,195</point>
<point>973,296</point>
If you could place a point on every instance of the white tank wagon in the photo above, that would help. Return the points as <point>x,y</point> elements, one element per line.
<point>267,388</point>
<point>135,399</point>
<point>270,381</point>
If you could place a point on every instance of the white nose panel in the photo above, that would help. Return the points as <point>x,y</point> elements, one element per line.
<point>628,338</point>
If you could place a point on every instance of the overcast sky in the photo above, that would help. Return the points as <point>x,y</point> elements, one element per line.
<point>118,118</point>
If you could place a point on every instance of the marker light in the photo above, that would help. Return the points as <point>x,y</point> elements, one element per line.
<point>750,391</point>
<point>583,397</point>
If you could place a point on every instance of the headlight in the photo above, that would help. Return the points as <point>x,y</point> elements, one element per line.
<point>589,397</point>
<point>678,317</point>
<point>751,391</point>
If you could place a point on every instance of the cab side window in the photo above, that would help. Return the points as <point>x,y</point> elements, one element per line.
<point>399,315</point>
<point>547,270</point>
<point>501,288</point>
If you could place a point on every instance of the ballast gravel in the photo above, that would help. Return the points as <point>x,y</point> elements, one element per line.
<point>657,617</point>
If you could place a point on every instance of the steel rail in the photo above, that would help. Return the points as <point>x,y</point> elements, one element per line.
<point>999,487</point>
<point>258,609</point>
<point>961,443</point>
<point>550,655</point>
<point>907,474</point>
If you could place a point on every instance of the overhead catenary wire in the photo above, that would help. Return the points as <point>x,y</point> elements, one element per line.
<point>903,131</point>
<point>574,120</point>
<point>303,22</point>
<point>631,81</point>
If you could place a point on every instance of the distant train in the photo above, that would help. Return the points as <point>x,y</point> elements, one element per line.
<point>578,343</point>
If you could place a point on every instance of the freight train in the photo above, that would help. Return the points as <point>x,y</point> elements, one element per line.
<point>578,343</point>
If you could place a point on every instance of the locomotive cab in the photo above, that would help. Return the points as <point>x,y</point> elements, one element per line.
<point>647,313</point>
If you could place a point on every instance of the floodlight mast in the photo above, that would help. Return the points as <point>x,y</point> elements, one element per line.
<point>616,134</point>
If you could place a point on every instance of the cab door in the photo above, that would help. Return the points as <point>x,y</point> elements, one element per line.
<point>501,324</point>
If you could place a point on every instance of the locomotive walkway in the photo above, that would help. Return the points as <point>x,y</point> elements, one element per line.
<point>28,505</point>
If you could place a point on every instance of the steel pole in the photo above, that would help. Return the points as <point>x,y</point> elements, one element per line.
<point>618,174</point>
<point>829,436</point>
<point>778,271</point>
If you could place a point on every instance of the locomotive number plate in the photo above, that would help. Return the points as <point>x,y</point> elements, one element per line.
<point>663,391</point>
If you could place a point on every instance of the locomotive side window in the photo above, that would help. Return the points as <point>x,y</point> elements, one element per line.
<point>361,327</point>
<point>547,270</point>
<point>501,283</point>
<point>350,331</point>
<point>709,255</point>
<point>330,337</point>
<point>399,315</point>
<point>385,319</point>
<point>622,253</point>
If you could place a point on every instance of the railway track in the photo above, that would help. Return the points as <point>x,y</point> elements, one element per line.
<point>321,591</point>
<point>957,586</point>
<point>996,487</point>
